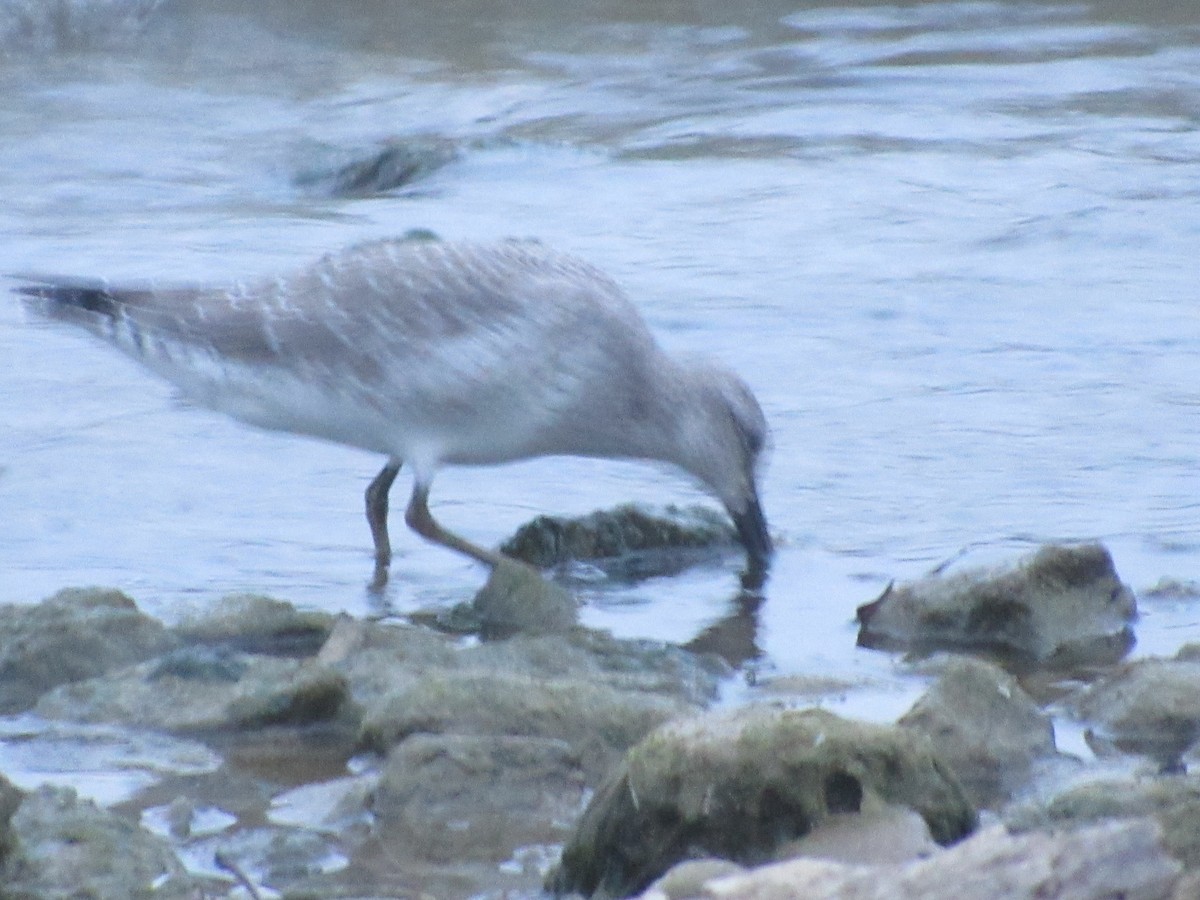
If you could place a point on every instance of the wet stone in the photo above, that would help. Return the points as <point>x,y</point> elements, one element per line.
<point>1062,607</point>
<point>75,634</point>
<point>69,847</point>
<point>517,599</point>
<point>985,727</point>
<point>1150,707</point>
<point>741,785</point>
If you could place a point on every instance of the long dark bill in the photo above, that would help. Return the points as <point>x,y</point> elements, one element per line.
<point>752,532</point>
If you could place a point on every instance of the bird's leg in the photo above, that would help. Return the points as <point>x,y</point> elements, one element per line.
<point>377,513</point>
<point>422,522</point>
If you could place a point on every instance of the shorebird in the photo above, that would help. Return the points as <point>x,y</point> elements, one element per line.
<point>434,353</point>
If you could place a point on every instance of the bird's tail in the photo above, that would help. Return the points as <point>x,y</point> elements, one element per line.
<point>64,298</point>
<point>112,314</point>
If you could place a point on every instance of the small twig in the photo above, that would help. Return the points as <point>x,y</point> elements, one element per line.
<point>230,865</point>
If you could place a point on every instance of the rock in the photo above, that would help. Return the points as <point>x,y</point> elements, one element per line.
<point>379,658</point>
<point>392,165</point>
<point>641,666</point>
<point>199,689</point>
<point>452,797</point>
<point>1115,859</point>
<point>10,799</point>
<point>1149,707</point>
<point>985,727</point>
<point>687,879</point>
<point>69,847</point>
<point>739,785</point>
<point>255,624</point>
<point>1174,801</point>
<point>1173,589</point>
<point>307,694</point>
<point>597,721</point>
<point>625,542</point>
<point>73,635</point>
<point>878,834</point>
<point>1062,607</point>
<point>517,599</point>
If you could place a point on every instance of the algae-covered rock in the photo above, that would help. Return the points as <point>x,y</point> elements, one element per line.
<point>597,721</point>
<point>69,847</point>
<point>77,633</point>
<point>985,727</point>
<point>739,785</point>
<point>1149,707</point>
<point>627,538</point>
<point>1063,606</point>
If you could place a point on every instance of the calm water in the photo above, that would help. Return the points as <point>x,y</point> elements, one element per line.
<point>955,248</point>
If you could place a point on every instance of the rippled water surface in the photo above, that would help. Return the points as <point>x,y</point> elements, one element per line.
<point>954,247</point>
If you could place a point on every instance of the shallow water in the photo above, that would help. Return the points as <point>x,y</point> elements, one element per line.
<point>952,246</point>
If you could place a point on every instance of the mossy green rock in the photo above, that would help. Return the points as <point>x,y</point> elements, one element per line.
<point>739,785</point>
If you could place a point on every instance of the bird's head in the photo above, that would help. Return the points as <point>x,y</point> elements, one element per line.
<point>725,442</point>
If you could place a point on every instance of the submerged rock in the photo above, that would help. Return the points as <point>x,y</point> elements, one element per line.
<point>1120,859</point>
<point>77,633</point>
<point>1149,707</point>
<point>626,541</point>
<point>985,727</point>
<point>1062,607</point>
<point>391,166</point>
<point>739,786</point>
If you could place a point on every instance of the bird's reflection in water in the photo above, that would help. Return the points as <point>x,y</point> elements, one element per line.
<point>733,637</point>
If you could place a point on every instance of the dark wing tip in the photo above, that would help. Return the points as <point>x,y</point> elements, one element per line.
<point>58,295</point>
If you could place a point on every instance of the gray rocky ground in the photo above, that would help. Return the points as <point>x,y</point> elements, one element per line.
<point>353,758</point>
